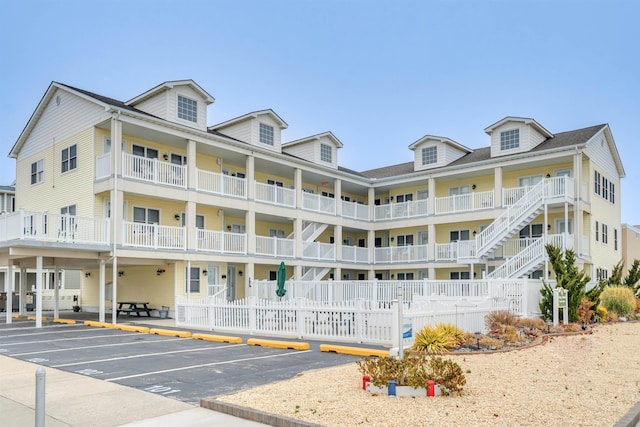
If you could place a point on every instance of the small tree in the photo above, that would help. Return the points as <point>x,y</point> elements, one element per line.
<point>633,277</point>
<point>568,277</point>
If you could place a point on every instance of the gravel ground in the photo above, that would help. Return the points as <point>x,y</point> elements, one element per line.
<point>578,380</point>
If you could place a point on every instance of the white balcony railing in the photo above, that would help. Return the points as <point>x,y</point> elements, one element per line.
<point>318,203</point>
<point>153,170</point>
<point>222,242</point>
<point>392,254</point>
<point>275,247</point>
<point>560,186</point>
<point>355,254</point>
<point>48,227</point>
<point>464,202</point>
<point>447,251</point>
<point>218,183</point>
<point>103,165</point>
<point>154,236</point>
<point>355,210</point>
<point>318,251</point>
<point>276,195</point>
<point>400,210</point>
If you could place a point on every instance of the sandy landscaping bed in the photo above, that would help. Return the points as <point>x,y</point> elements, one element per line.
<point>580,380</point>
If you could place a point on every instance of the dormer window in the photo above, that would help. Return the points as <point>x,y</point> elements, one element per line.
<point>509,139</point>
<point>429,155</point>
<point>266,134</point>
<point>187,109</point>
<point>325,153</point>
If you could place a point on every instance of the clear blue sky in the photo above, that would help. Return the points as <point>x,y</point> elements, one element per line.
<point>378,74</point>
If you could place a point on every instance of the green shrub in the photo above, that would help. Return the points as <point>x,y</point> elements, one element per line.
<point>618,300</point>
<point>414,370</point>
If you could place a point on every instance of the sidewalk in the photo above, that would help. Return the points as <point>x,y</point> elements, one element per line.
<point>78,400</point>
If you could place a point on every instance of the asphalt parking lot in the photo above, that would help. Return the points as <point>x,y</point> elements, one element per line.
<point>185,369</point>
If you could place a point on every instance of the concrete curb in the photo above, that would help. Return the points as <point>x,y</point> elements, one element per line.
<point>67,321</point>
<point>170,333</point>
<point>217,338</point>
<point>254,414</point>
<point>291,345</point>
<point>355,351</point>
<point>131,328</point>
<point>631,418</point>
<point>99,324</point>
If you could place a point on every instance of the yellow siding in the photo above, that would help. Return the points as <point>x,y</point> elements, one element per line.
<point>510,178</point>
<point>262,228</point>
<point>53,193</point>
<point>168,208</point>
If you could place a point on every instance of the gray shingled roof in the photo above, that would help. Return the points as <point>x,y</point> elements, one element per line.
<point>559,140</point>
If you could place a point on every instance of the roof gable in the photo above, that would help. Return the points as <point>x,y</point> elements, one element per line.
<point>168,86</point>
<point>249,116</point>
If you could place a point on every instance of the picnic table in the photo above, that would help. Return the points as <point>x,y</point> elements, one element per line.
<point>129,307</point>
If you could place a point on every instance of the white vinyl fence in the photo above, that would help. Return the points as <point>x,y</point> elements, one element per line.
<point>358,311</point>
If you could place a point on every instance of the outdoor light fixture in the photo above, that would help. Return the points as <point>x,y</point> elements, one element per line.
<point>229,227</point>
<point>548,227</point>
<point>548,175</point>
<point>165,156</point>
<point>160,271</point>
<point>473,187</point>
<point>177,217</point>
<point>474,233</point>
<point>240,273</point>
<point>87,274</point>
<point>120,273</point>
<point>548,326</point>
<point>205,272</point>
<point>478,339</point>
<point>392,239</point>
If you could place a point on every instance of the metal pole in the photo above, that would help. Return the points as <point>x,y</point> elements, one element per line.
<point>40,382</point>
<point>400,323</point>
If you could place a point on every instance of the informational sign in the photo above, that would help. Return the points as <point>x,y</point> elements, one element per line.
<point>562,298</point>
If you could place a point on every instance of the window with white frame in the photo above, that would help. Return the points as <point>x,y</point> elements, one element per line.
<point>615,239</point>
<point>193,280</point>
<point>597,231</point>
<point>37,171</point>
<point>139,150</point>
<point>146,215</point>
<point>405,276</point>
<point>266,134</point>
<point>69,158</point>
<point>510,139</point>
<point>199,221</point>
<point>187,109</point>
<point>178,159</point>
<point>561,228</point>
<point>459,275</point>
<point>605,233</point>
<point>400,198</point>
<point>612,192</point>
<point>455,235</point>
<point>326,153</point>
<point>459,190</point>
<point>276,232</point>
<point>405,240</point>
<point>67,221</point>
<point>531,231</point>
<point>274,182</point>
<point>422,194</point>
<point>529,181</point>
<point>429,155</point>
<point>596,182</point>
<point>605,188</point>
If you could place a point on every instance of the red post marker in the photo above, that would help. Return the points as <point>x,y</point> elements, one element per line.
<point>431,388</point>
<point>365,380</point>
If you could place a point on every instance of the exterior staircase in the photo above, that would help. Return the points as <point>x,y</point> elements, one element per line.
<point>315,273</point>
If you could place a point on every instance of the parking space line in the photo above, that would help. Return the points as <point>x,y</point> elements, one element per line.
<point>66,339</point>
<point>135,356</point>
<point>226,362</point>
<point>60,326</point>
<point>86,347</point>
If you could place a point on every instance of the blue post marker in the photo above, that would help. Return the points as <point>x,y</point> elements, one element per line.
<point>392,388</point>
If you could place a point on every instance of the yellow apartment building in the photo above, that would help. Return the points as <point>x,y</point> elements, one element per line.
<point>145,194</point>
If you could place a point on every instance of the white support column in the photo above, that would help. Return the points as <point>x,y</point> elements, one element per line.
<point>23,291</point>
<point>56,292</point>
<point>566,227</point>
<point>298,187</point>
<point>372,206</point>
<point>337,233</point>
<point>337,188</point>
<point>497,187</point>
<point>101,293</point>
<point>297,239</point>
<point>114,291</point>
<point>38,299</point>
<point>190,224</point>
<point>249,273</point>
<point>192,170</point>
<point>431,202</point>
<point>577,207</point>
<point>431,244</point>
<point>9,279</point>
<point>250,229</point>
<point>250,176</point>
<point>371,245</point>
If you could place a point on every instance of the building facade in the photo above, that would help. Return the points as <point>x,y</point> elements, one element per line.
<point>146,195</point>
